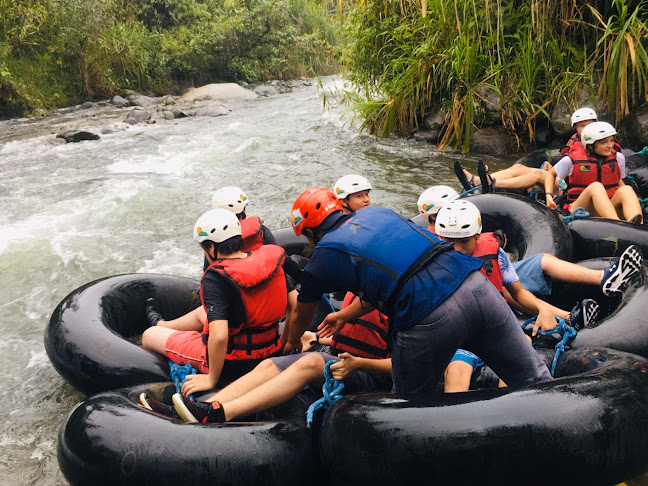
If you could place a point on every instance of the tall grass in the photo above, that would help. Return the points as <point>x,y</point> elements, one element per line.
<point>411,57</point>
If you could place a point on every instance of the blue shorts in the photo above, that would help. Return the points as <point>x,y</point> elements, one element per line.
<point>531,276</point>
<point>468,357</point>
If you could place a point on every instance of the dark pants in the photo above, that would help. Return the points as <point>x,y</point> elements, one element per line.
<point>476,318</point>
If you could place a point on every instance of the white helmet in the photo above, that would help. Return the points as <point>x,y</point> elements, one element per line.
<point>431,200</point>
<point>350,184</point>
<point>596,131</point>
<point>458,219</point>
<point>216,225</point>
<point>231,198</point>
<point>583,114</point>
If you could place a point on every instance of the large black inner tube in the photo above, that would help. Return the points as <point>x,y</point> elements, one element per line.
<point>623,322</point>
<point>637,169</point>
<point>85,338</point>
<point>110,439</point>
<point>598,237</point>
<point>588,427</point>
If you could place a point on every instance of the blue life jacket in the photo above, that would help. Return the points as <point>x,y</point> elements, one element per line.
<point>401,269</point>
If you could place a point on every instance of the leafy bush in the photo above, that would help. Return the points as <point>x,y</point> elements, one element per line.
<point>408,58</point>
<point>55,52</point>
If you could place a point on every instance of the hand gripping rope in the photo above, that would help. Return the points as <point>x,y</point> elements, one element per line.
<point>332,390</point>
<point>562,327</point>
<point>179,373</point>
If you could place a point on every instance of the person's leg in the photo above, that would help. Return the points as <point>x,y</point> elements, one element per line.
<point>308,370</point>
<point>523,181</point>
<point>421,353</point>
<point>569,272</point>
<point>184,347</point>
<point>595,201</point>
<point>627,205</point>
<point>155,338</point>
<point>457,377</point>
<point>515,170</point>
<point>497,338</point>
<point>265,371</point>
<point>192,321</point>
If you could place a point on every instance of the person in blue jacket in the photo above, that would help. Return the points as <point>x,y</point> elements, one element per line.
<point>436,299</point>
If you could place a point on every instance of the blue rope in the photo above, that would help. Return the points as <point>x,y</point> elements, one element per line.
<point>328,301</point>
<point>643,151</point>
<point>470,191</point>
<point>332,390</point>
<point>567,331</point>
<point>578,213</point>
<point>179,373</point>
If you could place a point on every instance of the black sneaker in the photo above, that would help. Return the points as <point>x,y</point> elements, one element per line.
<point>204,412</point>
<point>150,403</point>
<point>617,276</point>
<point>153,314</point>
<point>583,314</point>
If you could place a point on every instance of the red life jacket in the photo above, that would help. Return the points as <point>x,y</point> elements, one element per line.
<point>260,281</point>
<point>486,248</point>
<point>365,337</point>
<point>589,169</point>
<point>252,233</point>
<point>573,143</point>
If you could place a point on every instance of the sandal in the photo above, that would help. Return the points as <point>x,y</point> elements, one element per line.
<point>487,182</point>
<point>461,175</point>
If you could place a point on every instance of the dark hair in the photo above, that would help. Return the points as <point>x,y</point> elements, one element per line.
<point>227,247</point>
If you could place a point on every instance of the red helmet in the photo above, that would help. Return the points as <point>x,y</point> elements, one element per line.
<point>312,207</point>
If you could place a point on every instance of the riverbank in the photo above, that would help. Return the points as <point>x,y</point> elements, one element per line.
<point>55,54</point>
<point>92,120</point>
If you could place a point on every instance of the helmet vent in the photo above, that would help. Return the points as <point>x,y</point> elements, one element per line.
<point>225,227</point>
<point>306,215</point>
<point>319,205</point>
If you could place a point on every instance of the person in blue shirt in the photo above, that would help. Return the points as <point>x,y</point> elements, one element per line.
<point>436,299</point>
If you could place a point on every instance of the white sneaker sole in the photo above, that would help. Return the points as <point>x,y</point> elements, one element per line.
<point>629,266</point>
<point>143,402</point>
<point>182,410</point>
<point>590,313</point>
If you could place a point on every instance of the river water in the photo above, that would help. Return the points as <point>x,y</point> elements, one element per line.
<point>128,202</point>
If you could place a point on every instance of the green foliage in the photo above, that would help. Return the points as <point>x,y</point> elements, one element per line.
<point>55,52</point>
<point>529,53</point>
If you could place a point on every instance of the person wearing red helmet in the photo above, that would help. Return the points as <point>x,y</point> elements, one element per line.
<point>418,282</point>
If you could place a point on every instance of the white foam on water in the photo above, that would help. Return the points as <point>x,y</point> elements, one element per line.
<point>176,164</point>
<point>174,261</point>
<point>42,449</point>
<point>13,440</point>
<point>38,359</point>
<point>251,142</point>
<point>66,220</point>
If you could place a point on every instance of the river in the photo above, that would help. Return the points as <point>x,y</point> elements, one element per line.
<point>128,202</point>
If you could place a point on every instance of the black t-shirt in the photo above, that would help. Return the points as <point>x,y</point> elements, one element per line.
<point>223,301</point>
